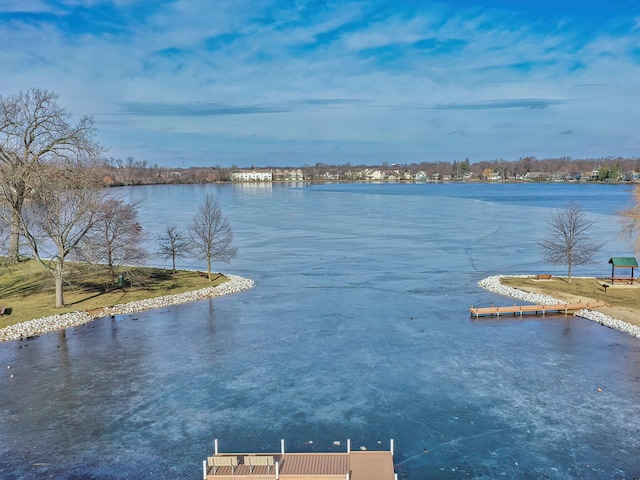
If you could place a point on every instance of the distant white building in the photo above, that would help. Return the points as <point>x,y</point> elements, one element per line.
<point>375,175</point>
<point>252,175</point>
<point>293,175</point>
<point>421,176</point>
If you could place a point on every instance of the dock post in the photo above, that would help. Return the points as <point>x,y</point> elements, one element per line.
<point>204,470</point>
<point>282,446</point>
<point>215,446</point>
<point>348,445</point>
<point>391,447</point>
<point>277,470</point>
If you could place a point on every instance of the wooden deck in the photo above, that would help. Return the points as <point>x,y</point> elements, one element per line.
<point>532,309</point>
<point>350,465</point>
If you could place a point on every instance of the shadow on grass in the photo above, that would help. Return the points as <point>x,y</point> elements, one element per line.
<point>22,288</point>
<point>85,299</point>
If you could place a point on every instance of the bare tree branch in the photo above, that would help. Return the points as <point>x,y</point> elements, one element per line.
<point>58,215</point>
<point>172,243</point>
<point>569,242</point>
<point>35,130</point>
<point>117,238</point>
<point>631,221</point>
<point>210,234</point>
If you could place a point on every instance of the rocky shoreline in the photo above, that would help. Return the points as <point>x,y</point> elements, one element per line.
<point>493,284</point>
<point>63,321</point>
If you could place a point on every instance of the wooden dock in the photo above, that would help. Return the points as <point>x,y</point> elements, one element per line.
<point>349,465</point>
<point>521,310</point>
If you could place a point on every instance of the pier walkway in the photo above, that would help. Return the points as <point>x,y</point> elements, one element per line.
<point>521,310</point>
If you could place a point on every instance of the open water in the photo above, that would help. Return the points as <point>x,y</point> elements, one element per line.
<point>358,327</point>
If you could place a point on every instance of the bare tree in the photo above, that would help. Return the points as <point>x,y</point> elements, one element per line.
<point>34,130</point>
<point>210,234</point>
<point>569,242</point>
<point>172,243</point>
<point>117,238</point>
<point>57,217</point>
<point>631,218</point>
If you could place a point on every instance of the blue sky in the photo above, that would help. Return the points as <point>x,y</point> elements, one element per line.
<point>295,82</point>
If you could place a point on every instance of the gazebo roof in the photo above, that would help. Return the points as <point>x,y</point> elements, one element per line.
<point>624,262</point>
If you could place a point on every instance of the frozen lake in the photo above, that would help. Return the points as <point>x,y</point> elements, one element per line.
<point>358,327</point>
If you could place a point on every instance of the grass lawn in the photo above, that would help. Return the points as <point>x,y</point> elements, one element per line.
<point>27,291</point>
<point>623,301</point>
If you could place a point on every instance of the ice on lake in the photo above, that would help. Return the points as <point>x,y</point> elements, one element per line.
<point>358,327</point>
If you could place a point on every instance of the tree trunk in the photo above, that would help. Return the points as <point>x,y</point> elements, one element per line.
<point>16,220</point>
<point>14,245</point>
<point>58,274</point>
<point>209,268</point>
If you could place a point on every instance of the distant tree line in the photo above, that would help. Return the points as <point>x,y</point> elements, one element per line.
<point>116,172</point>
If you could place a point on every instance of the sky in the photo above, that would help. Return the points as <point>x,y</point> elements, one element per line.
<point>297,82</point>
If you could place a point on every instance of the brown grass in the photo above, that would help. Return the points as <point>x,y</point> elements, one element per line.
<point>623,301</point>
<point>27,291</point>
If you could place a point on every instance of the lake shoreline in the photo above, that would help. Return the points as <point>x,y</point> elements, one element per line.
<point>53,323</point>
<point>494,284</point>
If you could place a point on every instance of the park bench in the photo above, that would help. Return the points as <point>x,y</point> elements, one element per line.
<point>628,280</point>
<point>223,461</point>
<point>544,276</point>
<point>259,461</point>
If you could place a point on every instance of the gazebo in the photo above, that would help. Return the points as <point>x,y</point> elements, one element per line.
<point>622,262</point>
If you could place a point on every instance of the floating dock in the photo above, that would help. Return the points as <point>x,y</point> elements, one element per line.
<point>521,310</point>
<point>357,465</point>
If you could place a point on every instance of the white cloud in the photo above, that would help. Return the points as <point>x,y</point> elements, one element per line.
<point>25,6</point>
<point>274,59</point>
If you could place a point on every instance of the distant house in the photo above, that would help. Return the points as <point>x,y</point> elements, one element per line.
<point>293,175</point>
<point>536,176</point>
<point>421,176</point>
<point>252,175</point>
<point>331,176</point>
<point>375,175</point>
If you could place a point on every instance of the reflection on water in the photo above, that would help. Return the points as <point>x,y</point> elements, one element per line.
<point>357,328</point>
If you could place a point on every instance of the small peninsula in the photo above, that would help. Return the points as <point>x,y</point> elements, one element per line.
<point>620,313</point>
<point>142,299</point>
